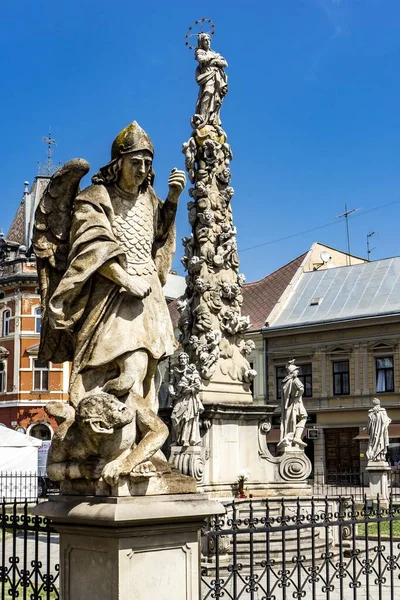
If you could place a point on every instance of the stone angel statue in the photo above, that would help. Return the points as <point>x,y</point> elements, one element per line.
<point>103,255</point>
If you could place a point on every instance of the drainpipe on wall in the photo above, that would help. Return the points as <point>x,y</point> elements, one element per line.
<point>265,340</point>
<point>17,342</point>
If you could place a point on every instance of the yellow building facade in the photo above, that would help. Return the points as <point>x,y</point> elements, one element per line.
<point>343,329</point>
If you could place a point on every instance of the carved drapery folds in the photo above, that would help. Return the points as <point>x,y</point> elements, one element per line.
<point>184,390</point>
<point>211,324</point>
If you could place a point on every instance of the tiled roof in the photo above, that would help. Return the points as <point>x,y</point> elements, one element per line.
<point>344,292</point>
<point>16,232</point>
<point>173,311</point>
<point>259,297</point>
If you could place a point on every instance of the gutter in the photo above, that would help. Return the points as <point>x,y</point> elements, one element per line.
<point>311,324</point>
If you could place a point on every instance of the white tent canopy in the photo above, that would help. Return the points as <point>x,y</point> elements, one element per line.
<point>14,439</point>
<point>18,464</point>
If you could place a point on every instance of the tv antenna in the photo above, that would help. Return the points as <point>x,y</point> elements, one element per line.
<point>346,216</point>
<point>369,249</point>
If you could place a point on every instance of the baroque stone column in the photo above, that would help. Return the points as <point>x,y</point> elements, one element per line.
<point>212,326</point>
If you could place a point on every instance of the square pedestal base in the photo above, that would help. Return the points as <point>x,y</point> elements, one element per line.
<point>378,479</point>
<point>129,548</point>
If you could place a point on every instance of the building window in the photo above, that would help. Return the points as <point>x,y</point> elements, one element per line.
<point>38,319</point>
<point>252,381</point>
<point>341,378</point>
<point>305,376</point>
<point>6,322</point>
<point>40,375</point>
<point>384,374</point>
<point>40,432</point>
<point>2,377</point>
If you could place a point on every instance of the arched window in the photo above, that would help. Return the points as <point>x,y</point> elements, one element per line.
<point>38,319</point>
<point>2,376</point>
<point>41,431</point>
<point>6,323</point>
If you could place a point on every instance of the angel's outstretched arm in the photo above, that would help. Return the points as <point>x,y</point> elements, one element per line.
<point>167,210</point>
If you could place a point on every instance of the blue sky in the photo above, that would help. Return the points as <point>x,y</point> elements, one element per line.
<point>312,115</point>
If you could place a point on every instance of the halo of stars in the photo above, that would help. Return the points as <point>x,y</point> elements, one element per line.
<point>198,27</point>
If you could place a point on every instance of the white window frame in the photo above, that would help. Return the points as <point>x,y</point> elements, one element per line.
<point>3,377</point>
<point>6,322</point>
<point>40,370</point>
<point>376,358</point>
<point>38,318</point>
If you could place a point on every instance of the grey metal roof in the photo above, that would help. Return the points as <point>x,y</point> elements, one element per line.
<point>344,292</point>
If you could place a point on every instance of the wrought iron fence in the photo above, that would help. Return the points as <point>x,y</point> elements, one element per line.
<point>262,549</point>
<point>29,554</point>
<point>24,486</point>
<point>341,483</point>
<point>329,549</point>
<point>349,483</point>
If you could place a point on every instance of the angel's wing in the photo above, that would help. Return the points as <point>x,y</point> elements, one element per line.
<point>50,243</point>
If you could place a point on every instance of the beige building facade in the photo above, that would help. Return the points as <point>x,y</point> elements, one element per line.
<point>343,329</point>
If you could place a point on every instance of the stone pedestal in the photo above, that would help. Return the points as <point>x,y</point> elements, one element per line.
<point>292,469</point>
<point>378,472</point>
<point>129,548</point>
<point>232,444</point>
<point>221,389</point>
<point>189,460</point>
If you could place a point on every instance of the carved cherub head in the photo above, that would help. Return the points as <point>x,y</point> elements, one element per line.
<point>248,346</point>
<point>210,336</point>
<point>195,264</point>
<point>225,227</point>
<point>226,288</point>
<point>225,175</point>
<point>194,342</point>
<point>210,151</point>
<point>200,285</point>
<point>181,304</point>
<point>206,217</point>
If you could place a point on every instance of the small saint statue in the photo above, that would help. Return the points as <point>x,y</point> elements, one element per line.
<point>294,414</point>
<point>187,406</point>
<point>378,424</point>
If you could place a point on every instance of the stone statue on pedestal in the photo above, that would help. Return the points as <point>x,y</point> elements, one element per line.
<point>187,407</point>
<point>294,414</point>
<point>103,255</point>
<point>378,425</point>
<point>212,79</point>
